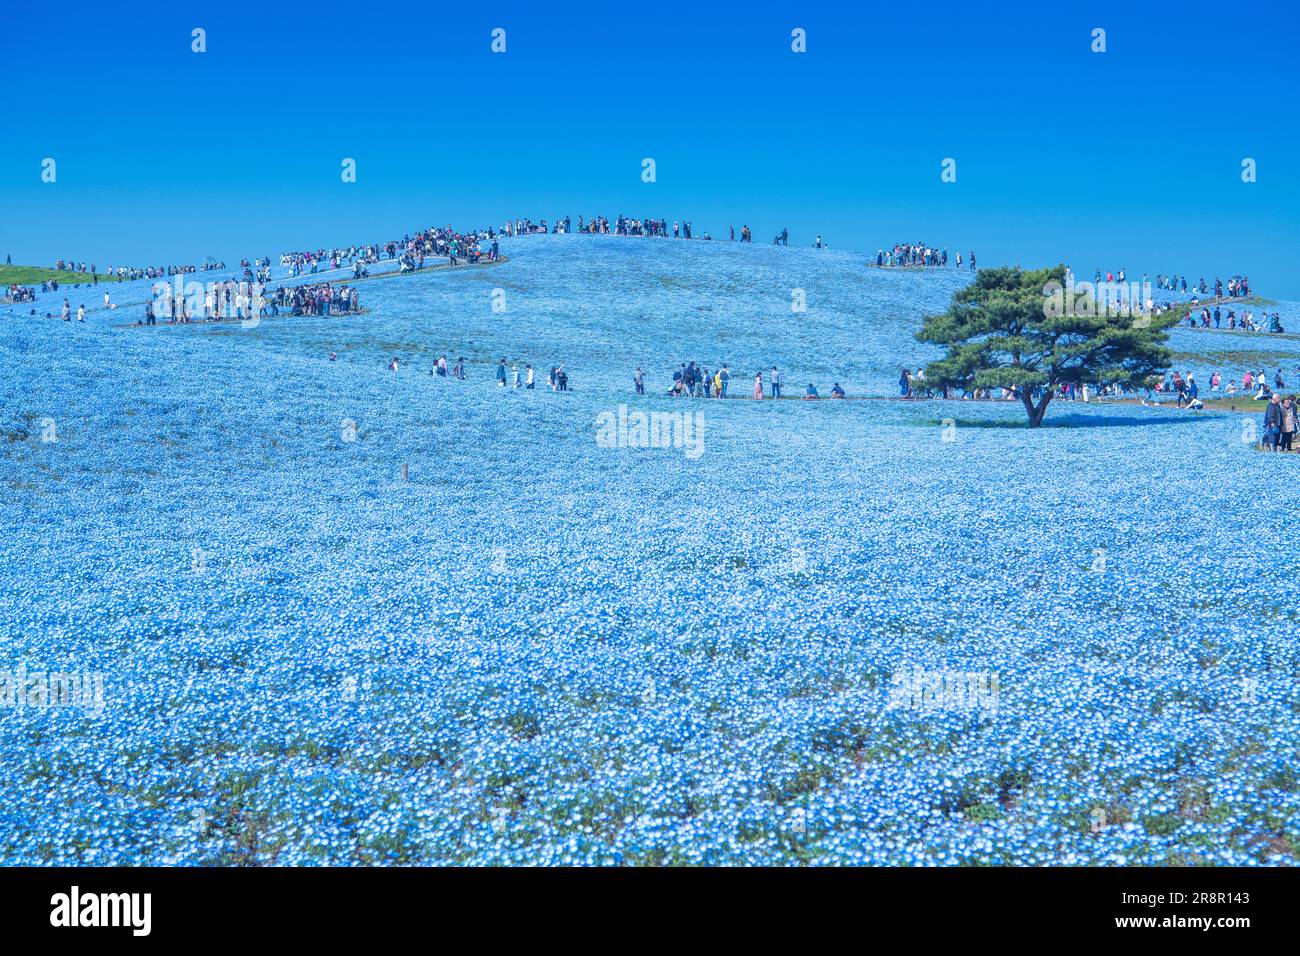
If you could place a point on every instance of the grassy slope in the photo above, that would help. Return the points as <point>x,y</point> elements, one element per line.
<point>35,275</point>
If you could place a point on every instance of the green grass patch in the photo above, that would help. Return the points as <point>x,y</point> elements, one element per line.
<point>1253,359</point>
<point>35,275</point>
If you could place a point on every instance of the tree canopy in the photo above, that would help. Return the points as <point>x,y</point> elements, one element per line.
<point>1032,330</point>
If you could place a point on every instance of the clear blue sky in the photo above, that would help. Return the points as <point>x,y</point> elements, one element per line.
<point>1131,157</point>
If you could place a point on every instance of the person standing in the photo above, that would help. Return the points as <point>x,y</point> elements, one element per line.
<point>638,379</point>
<point>501,373</point>
<point>81,312</point>
<point>66,311</point>
<point>776,382</point>
<point>1288,422</point>
<point>1273,423</point>
<point>758,387</point>
<point>529,383</point>
<point>724,376</point>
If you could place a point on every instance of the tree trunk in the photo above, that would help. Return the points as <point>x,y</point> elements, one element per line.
<point>1035,414</point>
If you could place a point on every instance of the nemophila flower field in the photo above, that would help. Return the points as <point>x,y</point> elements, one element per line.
<point>834,637</point>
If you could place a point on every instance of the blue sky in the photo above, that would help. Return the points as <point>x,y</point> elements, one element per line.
<point>1127,158</point>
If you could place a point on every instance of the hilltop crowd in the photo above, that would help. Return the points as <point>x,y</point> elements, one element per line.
<point>916,254</point>
<point>1236,287</point>
<point>128,273</point>
<point>625,226</point>
<point>410,251</point>
<point>598,226</point>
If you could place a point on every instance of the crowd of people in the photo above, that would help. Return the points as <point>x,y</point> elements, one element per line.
<point>1246,322</point>
<point>693,380</point>
<point>309,263</point>
<point>1253,384</point>
<point>129,273</point>
<point>629,226</point>
<point>916,254</point>
<point>20,293</point>
<point>600,226</point>
<point>626,226</point>
<point>245,300</point>
<point>320,298</point>
<point>507,375</point>
<point>1236,287</point>
<point>914,385</point>
<point>410,251</point>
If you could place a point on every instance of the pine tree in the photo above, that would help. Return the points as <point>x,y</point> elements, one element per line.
<point>1026,330</point>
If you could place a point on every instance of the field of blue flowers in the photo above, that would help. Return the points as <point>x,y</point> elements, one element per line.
<point>540,650</point>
